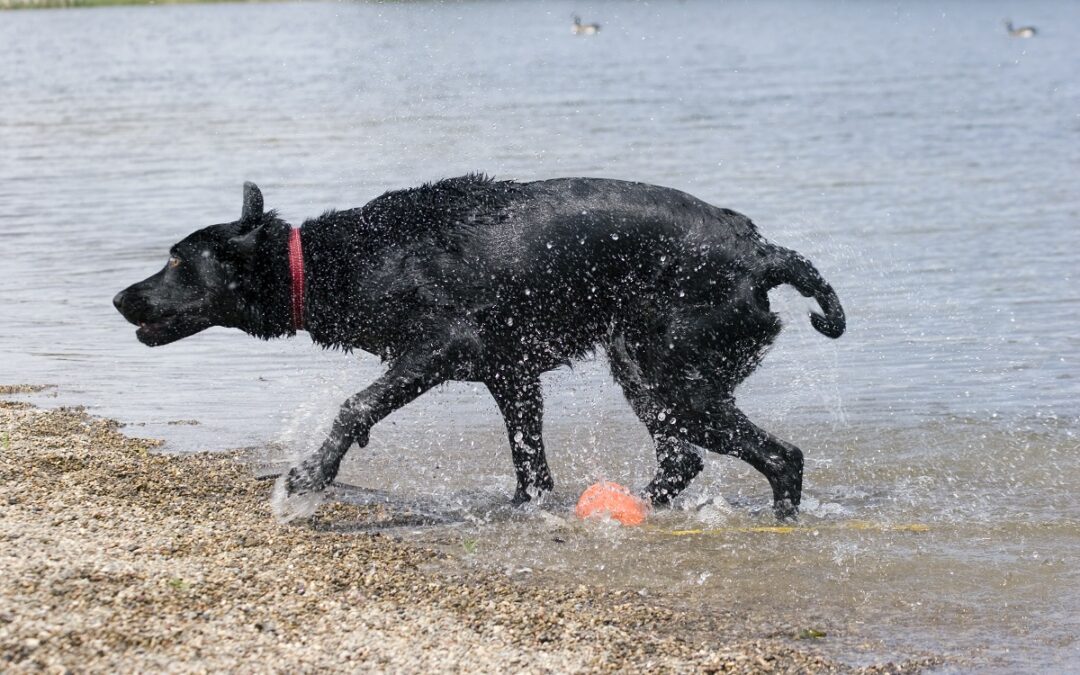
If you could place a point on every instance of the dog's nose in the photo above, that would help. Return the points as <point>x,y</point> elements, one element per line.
<point>118,302</point>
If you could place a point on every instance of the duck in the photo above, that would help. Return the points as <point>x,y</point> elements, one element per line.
<point>1022,32</point>
<point>584,28</point>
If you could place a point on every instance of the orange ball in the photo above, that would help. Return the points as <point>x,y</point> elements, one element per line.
<point>612,500</point>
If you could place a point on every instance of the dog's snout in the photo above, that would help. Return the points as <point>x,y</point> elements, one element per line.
<point>127,304</point>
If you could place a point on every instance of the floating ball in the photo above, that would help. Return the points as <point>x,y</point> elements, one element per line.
<point>612,500</point>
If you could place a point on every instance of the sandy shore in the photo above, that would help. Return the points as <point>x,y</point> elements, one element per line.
<point>115,558</point>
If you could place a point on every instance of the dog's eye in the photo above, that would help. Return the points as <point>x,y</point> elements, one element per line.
<point>174,262</point>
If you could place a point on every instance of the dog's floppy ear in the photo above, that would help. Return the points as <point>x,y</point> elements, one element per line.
<point>253,204</point>
<point>243,246</point>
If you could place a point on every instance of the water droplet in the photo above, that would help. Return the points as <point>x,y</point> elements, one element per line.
<point>519,437</point>
<point>528,292</point>
<point>615,236</point>
<point>663,258</point>
<point>549,244</point>
<point>510,321</point>
<point>661,416</point>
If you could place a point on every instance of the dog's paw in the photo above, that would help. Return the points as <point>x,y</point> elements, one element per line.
<point>532,495</point>
<point>786,512</point>
<point>288,505</point>
<point>521,496</point>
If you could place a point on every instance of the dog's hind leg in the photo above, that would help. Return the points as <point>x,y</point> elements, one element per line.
<point>521,403</point>
<point>724,429</point>
<point>677,462</point>
<point>702,355</point>
<point>421,368</point>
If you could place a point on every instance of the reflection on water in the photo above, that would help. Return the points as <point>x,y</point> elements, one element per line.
<point>925,162</point>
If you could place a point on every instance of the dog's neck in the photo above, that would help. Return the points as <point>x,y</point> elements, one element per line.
<point>267,286</point>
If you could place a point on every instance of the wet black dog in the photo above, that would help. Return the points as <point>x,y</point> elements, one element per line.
<point>498,282</point>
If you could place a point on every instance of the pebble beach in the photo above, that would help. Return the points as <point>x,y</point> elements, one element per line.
<point>120,559</point>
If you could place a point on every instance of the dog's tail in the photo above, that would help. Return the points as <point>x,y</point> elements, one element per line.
<point>788,267</point>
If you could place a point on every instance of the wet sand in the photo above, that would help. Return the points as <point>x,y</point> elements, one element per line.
<point>116,558</point>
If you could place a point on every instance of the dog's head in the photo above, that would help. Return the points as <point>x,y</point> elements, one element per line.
<point>207,280</point>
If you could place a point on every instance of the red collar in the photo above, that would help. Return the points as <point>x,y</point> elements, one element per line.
<point>296,273</point>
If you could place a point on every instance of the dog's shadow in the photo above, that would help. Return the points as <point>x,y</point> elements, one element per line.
<point>354,509</point>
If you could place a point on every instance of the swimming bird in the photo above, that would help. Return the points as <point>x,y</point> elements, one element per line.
<point>584,28</point>
<point>1022,32</point>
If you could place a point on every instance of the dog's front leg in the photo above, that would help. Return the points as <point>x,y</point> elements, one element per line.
<point>521,402</point>
<point>298,492</point>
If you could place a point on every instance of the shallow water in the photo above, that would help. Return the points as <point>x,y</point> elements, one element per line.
<point>922,159</point>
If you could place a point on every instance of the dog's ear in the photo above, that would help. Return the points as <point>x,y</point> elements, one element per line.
<point>243,246</point>
<point>253,204</point>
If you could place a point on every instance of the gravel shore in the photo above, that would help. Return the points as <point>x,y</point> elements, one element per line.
<point>119,559</point>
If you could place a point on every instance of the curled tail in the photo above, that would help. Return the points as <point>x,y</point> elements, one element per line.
<point>788,267</point>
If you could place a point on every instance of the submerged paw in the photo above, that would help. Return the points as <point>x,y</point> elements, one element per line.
<point>533,493</point>
<point>786,511</point>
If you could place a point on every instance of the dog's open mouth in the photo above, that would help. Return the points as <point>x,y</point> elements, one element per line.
<point>169,329</point>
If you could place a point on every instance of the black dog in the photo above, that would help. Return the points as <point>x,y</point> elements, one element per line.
<point>497,282</point>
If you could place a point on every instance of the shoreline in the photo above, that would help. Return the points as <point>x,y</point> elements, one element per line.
<point>121,559</point>
<point>86,4</point>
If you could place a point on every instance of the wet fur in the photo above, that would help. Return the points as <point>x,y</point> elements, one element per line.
<point>498,282</point>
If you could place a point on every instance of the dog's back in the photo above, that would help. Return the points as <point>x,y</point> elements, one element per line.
<point>545,269</point>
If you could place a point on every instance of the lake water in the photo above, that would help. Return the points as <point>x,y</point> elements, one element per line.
<point>925,161</point>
